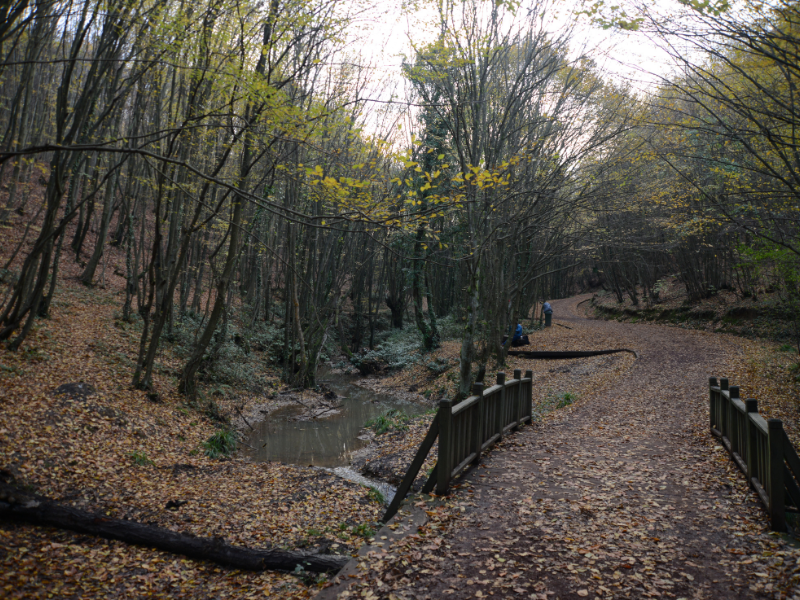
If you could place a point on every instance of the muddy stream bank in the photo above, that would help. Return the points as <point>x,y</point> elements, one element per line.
<point>328,437</point>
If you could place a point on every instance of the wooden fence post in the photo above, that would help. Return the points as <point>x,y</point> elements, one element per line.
<point>477,421</point>
<point>750,443</point>
<point>445,446</point>
<point>777,486</point>
<point>518,398</point>
<point>529,395</point>
<point>501,406</point>
<point>712,404</point>
<point>722,418</point>
<point>733,421</point>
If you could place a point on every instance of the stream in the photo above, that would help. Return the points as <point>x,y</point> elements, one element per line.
<point>327,442</point>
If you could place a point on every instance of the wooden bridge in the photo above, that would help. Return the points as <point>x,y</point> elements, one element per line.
<point>467,429</point>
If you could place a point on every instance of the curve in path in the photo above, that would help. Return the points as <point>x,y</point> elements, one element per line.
<point>623,495</point>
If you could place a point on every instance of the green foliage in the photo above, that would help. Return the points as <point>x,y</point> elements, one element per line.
<point>308,578</point>
<point>140,458</point>
<point>364,530</point>
<point>786,348</point>
<point>553,402</point>
<point>220,445</point>
<point>565,399</point>
<point>781,266</point>
<point>229,361</point>
<point>450,328</point>
<point>439,365</point>
<point>400,349</point>
<point>658,287</point>
<point>376,496</point>
<point>392,420</point>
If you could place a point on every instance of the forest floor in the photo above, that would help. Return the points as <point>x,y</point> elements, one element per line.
<point>123,453</point>
<point>109,449</point>
<point>762,316</point>
<point>623,493</point>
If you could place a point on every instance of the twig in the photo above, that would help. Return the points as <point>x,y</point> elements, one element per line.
<point>301,402</point>
<point>326,410</point>
<point>239,412</point>
<point>564,326</point>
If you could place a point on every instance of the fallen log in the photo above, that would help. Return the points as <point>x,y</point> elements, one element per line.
<point>555,355</point>
<point>18,505</point>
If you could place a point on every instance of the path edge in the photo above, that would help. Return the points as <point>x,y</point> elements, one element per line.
<point>407,521</point>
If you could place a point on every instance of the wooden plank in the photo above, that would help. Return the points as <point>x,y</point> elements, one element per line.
<point>445,445</point>
<point>716,432</point>
<point>776,487</point>
<point>790,454</point>
<point>430,483</point>
<point>528,395</point>
<point>739,405</point>
<point>501,405</point>
<point>518,401</point>
<point>492,390</point>
<point>749,437</point>
<point>476,433</point>
<point>712,404</point>
<point>413,469</point>
<point>726,443</point>
<point>463,464</point>
<point>462,406</point>
<point>759,422</point>
<point>739,461</point>
<point>792,489</point>
<point>490,441</point>
<point>761,492</point>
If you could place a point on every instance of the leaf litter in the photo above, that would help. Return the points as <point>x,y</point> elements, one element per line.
<point>623,493</point>
<point>102,447</point>
<point>544,514</point>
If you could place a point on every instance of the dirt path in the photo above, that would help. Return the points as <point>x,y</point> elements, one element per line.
<point>622,495</point>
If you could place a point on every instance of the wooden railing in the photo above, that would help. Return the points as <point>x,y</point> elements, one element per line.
<point>467,429</point>
<point>759,447</point>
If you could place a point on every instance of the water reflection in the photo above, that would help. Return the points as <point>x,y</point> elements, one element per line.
<point>322,442</point>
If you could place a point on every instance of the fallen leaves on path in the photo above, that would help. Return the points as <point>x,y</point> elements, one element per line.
<point>622,494</point>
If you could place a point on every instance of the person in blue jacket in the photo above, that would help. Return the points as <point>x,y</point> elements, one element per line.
<point>518,339</point>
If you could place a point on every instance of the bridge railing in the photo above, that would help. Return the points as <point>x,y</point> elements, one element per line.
<point>467,429</point>
<point>760,448</point>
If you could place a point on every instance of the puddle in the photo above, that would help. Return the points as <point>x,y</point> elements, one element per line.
<point>327,442</point>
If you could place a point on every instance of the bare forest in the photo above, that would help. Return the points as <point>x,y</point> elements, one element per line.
<point>241,199</point>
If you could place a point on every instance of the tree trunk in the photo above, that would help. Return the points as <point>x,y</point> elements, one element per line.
<point>42,511</point>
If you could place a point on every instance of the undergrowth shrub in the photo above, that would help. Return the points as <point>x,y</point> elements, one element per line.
<point>553,402</point>
<point>376,496</point>
<point>439,365</point>
<point>392,420</point>
<point>140,458</point>
<point>220,445</point>
<point>450,328</point>
<point>227,361</point>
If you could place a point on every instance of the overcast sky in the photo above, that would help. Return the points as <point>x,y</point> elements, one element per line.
<point>388,33</point>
